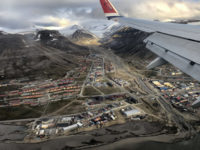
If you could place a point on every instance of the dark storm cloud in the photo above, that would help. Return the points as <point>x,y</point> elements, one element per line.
<point>20,14</point>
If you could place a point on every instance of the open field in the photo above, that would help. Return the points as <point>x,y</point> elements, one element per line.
<point>54,106</point>
<point>20,112</point>
<point>73,108</point>
<point>90,91</point>
<point>109,90</point>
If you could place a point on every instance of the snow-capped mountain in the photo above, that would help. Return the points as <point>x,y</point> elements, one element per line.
<point>28,32</point>
<point>84,37</point>
<point>98,28</point>
<point>70,30</point>
<point>76,27</point>
<point>81,33</point>
<point>3,33</point>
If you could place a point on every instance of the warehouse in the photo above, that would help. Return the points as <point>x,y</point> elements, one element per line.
<point>131,112</point>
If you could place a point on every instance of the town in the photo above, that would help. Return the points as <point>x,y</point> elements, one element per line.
<point>92,96</point>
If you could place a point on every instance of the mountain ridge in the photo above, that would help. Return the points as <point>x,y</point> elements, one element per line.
<point>38,56</point>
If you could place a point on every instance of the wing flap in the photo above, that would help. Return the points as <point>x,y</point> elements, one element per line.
<point>185,48</point>
<point>183,54</point>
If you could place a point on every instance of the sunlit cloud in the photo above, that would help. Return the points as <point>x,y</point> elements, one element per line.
<point>162,9</point>
<point>58,14</point>
<point>62,22</point>
<point>53,23</point>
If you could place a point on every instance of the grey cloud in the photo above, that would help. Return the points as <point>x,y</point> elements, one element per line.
<point>14,23</point>
<point>45,24</point>
<point>19,14</point>
<point>30,10</point>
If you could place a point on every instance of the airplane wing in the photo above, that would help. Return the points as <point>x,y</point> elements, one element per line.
<point>178,44</point>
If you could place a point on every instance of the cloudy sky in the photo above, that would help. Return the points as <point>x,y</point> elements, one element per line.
<point>16,15</point>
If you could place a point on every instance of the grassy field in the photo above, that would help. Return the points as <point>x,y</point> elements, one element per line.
<point>20,112</point>
<point>25,111</point>
<point>54,106</point>
<point>109,90</point>
<point>90,91</point>
<point>81,78</point>
<point>74,108</point>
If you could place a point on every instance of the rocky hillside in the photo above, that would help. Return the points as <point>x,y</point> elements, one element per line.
<point>56,40</point>
<point>83,37</point>
<point>128,43</point>
<point>48,54</point>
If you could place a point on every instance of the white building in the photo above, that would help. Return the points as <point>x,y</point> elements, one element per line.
<point>132,112</point>
<point>72,127</point>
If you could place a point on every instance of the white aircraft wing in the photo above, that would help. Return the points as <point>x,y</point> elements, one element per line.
<point>185,31</point>
<point>178,44</point>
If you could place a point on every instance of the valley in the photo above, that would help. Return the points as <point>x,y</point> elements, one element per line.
<point>91,93</point>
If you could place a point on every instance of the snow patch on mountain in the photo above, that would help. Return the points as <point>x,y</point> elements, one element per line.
<point>98,28</point>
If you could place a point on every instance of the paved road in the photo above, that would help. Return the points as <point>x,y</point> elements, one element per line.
<point>119,64</point>
<point>83,86</point>
<point>177,118</point>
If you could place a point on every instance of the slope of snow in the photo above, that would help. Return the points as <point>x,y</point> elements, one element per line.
<point>27,32</point>
<point>4,33</point>
<point>98,28</point>
<point>70,30</point>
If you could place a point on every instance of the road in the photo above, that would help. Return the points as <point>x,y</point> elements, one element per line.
<point>119,65</point>
<point>170,111</point>
<point>83,86</point>
<point>144,86</point>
